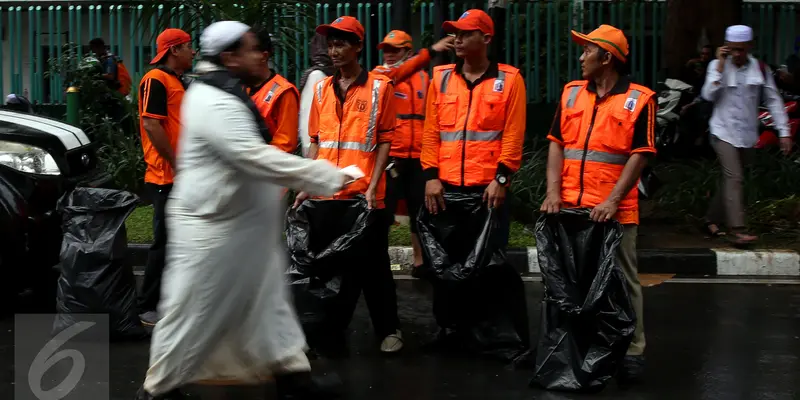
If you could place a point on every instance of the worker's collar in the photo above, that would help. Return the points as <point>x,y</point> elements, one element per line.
<point>622,86</point>
<point>361,80</point>
<point>256,88</point>
<point>492,72</point>
<point>169,70</point>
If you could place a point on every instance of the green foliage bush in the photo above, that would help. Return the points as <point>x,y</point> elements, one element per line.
<point>107,117</point>
<point>771,188</point>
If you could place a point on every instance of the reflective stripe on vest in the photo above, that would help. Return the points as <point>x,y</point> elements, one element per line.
<point>573,95</point>
<point>472,136</point>
<point>597,156</point>
<point>271,93</point>
<point>445,79</point>
<point>319,91</point>
<point>373,115</point>
<point>368,145</point>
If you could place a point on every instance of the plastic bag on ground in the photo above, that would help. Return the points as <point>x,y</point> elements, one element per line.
<point>587,320</point>
<point>94,276</point>
<point>325,238</point>
<point>478,298</point>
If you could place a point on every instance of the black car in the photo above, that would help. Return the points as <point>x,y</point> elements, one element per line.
<point>40,160</point>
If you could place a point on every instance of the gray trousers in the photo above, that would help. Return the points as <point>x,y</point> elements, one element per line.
<point>628,262</point>
<point>727,205</point>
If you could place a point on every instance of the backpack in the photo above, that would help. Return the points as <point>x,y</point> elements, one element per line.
<point>124,78</point>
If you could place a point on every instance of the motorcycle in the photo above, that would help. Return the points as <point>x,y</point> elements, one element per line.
<point>769,133</point>
<point>673,96</point>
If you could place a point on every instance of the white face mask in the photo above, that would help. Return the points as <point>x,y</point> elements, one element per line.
<point>402,60</point>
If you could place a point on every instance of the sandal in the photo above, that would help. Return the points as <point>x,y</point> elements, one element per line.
<point>743,239</point>
<point>392,343</point>
<point>713,230</point>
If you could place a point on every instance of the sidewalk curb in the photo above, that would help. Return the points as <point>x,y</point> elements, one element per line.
<point>683,262</point>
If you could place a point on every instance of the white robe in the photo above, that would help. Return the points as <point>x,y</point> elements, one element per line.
<point>226,311</point>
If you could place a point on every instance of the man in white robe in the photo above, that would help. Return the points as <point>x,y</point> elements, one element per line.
<point>227,317</point>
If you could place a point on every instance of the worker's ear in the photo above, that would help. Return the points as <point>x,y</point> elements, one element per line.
<point>487,39</point>
<point>608,58</point>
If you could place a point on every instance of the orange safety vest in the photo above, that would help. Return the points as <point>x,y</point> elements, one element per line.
<point>471,125</point>
<point>597,144</point>
<point>350,136</point>
<point>409,100</point>
<point>265,98</point>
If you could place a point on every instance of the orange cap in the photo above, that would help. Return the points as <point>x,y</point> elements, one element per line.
<point>397,39</point>
<point>344,24</point>
<point>607,38</point>
<point>471,20</point>
<point>168,39</point>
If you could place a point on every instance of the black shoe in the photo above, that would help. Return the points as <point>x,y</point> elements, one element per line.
<point>304,386</point>
<point>172,395</point>
<point>632,370</point>
<point>421,271</point>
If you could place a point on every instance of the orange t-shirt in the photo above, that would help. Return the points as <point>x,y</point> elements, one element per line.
<point>160,97</point>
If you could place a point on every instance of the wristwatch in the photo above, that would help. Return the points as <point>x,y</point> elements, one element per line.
<point>502,179</point>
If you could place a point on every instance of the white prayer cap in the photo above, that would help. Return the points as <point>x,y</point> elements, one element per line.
<point>220,35</point>
<point>739,34</point>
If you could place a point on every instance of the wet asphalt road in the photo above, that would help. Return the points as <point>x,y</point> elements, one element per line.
<point>705,341</point>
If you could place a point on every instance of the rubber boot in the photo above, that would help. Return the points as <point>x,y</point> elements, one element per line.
<point>304,386</point>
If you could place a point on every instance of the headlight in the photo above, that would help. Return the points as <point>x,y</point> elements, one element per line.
<point>25,158</point>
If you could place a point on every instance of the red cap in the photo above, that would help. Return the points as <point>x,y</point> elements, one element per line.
<point>606,37</point>
<point>344,24</point>
<point>471,20</point>
<point>168,39</point>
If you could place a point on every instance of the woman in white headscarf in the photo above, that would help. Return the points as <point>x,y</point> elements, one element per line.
<point>227,318</point>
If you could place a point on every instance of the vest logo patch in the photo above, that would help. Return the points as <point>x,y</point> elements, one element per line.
<point>630,104</point>
<point>400,95</point>
<point>498,86</point>
<point>420,94</point>
<point>361,105</point>
<point>269,97</point>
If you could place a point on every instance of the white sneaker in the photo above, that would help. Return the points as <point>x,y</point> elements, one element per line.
<point>392,343</point>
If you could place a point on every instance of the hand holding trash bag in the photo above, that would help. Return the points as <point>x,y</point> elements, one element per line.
<point>604,211</point>
<point>434,196</point>
<point>552,204</point>
<point>495,195</point>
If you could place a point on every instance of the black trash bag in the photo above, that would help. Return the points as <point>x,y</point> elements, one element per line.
<point>95,279</point>
<point>325,238</point>
<point>478,298</point>
<point>587,320</point>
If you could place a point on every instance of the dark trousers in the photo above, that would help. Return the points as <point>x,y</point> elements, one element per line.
<point>373,276</point>
<point>409,185</point>
<point>151,287</point>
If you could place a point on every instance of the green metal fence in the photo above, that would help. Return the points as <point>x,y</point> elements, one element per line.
<point>537,37</point>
